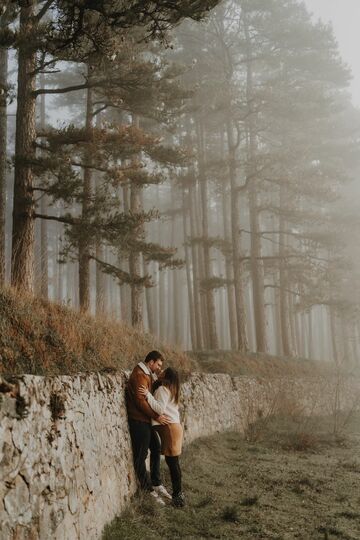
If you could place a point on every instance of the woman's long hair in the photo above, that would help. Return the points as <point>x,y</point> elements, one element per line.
<point>170,379</point>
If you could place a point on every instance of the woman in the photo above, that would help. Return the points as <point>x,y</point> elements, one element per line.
<point>166,401</point>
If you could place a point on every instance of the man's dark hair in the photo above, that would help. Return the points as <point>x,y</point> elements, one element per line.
<point>153,355</point>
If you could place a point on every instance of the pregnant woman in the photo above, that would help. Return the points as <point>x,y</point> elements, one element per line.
<point>165,401</point>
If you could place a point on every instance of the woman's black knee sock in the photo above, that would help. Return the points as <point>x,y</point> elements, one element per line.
<point>175,473</point>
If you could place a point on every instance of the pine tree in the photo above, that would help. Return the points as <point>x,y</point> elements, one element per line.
<point>7,15</point>
<point>145,87</point>
<point>276,88</point>
<point>54,30</point>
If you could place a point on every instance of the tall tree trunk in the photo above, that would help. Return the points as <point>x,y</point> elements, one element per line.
<point>283,281</point>
<point>69,282</point>
<point>44,272</point>
<point>284,314</point>
<point>200,341</point>
<point>221,306</point>
<point>175,274</point>
<point>135,259</point>
<point>155,300</point>
<point>193,333</point>
<point>304,337</point>
<point>148,290</point>
<point>242,343</point>
<point>257,272</point>
<point>201,267</point>
<point>333,332</point>
<point>60,272</point>
<point>248,307</point>
<point>230,290</point>
<point>162,292</point>
<point>310,335</point>
<point>279,350</point>
<point>125,299</point>
<point>210,301</point>
<point>3,156</point>
<point>162,304</point>
<point>292,324</point>
<point>136,294</point>
<point>297,326</point>
<point>345,339</point>
<point>100,299</point>
<point>256,265</point>
<point>149,302</point>
<point>84,247</point>
<point>100,281</point>
<point>22,256</point>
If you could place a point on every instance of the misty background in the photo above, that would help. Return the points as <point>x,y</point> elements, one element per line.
<point>342,16</point>
<point>204,186</point>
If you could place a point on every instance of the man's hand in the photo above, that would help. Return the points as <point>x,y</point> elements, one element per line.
<point>163,420</point>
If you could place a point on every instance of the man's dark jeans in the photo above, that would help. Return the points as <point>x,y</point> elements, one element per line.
<point>143,438</point>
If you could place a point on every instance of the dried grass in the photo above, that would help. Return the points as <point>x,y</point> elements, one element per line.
<point>261,365</point>
<point>41,337</point>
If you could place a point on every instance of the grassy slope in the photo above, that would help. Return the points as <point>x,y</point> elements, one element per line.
<point>294,484</point>
<point>259,364</point>
<point>45,338</point>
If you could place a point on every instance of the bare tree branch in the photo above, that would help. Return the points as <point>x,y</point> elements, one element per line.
<point>43,10</point>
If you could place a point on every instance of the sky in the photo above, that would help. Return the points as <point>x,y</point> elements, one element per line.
<point>344,16</point>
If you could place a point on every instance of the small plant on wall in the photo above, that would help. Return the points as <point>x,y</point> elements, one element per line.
<point>57,406</point>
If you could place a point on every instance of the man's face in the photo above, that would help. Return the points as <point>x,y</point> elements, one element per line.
<point>155,366</point>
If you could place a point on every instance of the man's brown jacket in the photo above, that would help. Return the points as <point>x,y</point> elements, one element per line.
<point>137,405</point>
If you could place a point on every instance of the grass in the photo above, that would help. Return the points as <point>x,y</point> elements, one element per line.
<point>231,514</point>
<point>267,490</point>
<point>261,364</point>
<point>46,338</point>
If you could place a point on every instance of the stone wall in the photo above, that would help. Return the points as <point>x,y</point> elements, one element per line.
<point>65,454</point>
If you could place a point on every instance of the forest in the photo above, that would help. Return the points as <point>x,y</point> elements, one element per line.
<point>187,168</point>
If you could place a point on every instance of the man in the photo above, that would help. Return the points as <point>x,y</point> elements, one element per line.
<point>142,436</point>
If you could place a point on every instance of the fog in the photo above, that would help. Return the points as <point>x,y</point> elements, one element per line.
<point>198,179</point>
<point>343,17</point>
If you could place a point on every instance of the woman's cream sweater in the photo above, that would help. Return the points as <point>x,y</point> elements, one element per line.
<point>162,403</point>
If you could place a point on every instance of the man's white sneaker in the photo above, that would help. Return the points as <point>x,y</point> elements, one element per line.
<point>161,490</point>
<point>155,495</point>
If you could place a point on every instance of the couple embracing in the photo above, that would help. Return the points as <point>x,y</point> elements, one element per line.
<point>152,398</point>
